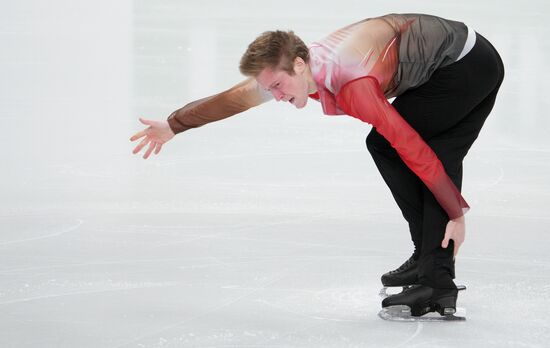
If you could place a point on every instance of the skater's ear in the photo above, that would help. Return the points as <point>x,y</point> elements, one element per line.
<point>299,66</point>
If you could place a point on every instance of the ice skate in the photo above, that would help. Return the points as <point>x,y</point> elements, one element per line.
<point>400,279</point>
<point>422,303</point>
<point>403,277</point>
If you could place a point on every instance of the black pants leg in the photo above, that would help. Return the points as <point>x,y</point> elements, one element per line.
<point>448,112</point>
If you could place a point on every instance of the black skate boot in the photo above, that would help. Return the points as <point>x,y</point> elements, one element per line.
<point>404,276</point>
<point>419,300</point>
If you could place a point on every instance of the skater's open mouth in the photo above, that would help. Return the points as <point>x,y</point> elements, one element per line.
<point>291,100</point>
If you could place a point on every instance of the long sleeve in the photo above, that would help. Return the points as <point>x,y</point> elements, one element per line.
<point>235,100</point>
<point>363,98</point>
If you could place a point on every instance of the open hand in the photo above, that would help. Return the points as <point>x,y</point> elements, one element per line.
<point>158,133</point>
<point>455,230</point>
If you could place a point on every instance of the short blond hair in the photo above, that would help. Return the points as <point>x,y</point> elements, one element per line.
<point>275,50</point>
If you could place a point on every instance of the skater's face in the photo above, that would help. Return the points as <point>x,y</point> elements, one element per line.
<point>289,88</point>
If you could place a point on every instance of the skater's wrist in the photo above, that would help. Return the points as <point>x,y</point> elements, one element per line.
<point>459,219</point>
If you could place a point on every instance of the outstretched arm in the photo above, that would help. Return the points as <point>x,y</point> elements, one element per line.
<point>235,100</point>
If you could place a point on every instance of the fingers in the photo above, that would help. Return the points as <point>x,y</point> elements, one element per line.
<point>455,232</point>
<point>142,133</point>
<point>141,145</point>
<point>445,242</point>
<point>152,146</point>
<point>158,148</point>
<point>139,135</point>
<point>146,122</point>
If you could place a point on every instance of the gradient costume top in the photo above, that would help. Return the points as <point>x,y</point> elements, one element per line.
<point>356,69</point>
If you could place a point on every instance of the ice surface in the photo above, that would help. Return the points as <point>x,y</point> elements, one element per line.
<point>269,229</point>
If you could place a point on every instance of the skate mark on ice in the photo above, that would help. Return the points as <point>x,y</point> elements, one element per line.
<point>104,263</point>
<point>255,259</point>
<point>189,240</point>
<point>56,234</point>
<point>85,292</point>
<point>335,304</point>
<point>311,245</point>
<point>232,227</point>
<point>304,315</point>
<point>228,303</point>
<point>237,228</point>
<point>216,261</point>
<point>419,327</point>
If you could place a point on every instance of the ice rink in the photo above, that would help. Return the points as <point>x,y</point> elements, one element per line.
<point>268,229</point>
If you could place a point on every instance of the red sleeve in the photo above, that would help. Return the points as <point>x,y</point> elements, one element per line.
<point>363,98</point>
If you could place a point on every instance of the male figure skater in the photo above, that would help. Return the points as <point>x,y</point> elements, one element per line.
<point>445,78</point>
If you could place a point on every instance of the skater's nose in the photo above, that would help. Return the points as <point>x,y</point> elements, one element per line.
<point>278,95</point>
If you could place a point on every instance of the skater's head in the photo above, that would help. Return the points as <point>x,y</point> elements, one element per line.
<point>279,62</point>
<point>276,50</point>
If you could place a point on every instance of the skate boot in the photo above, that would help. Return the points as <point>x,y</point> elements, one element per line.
<point>419,300</point>
<point>404,276</point>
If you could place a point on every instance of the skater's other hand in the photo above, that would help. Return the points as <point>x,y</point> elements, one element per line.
<point>455,230</point>
<point>158,133</point>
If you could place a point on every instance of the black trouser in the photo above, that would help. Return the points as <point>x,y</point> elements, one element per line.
<point>448,112</point>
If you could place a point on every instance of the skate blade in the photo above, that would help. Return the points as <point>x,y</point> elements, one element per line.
<point>394,290</point>
<point>403,313</point>
<point>391,290</point>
